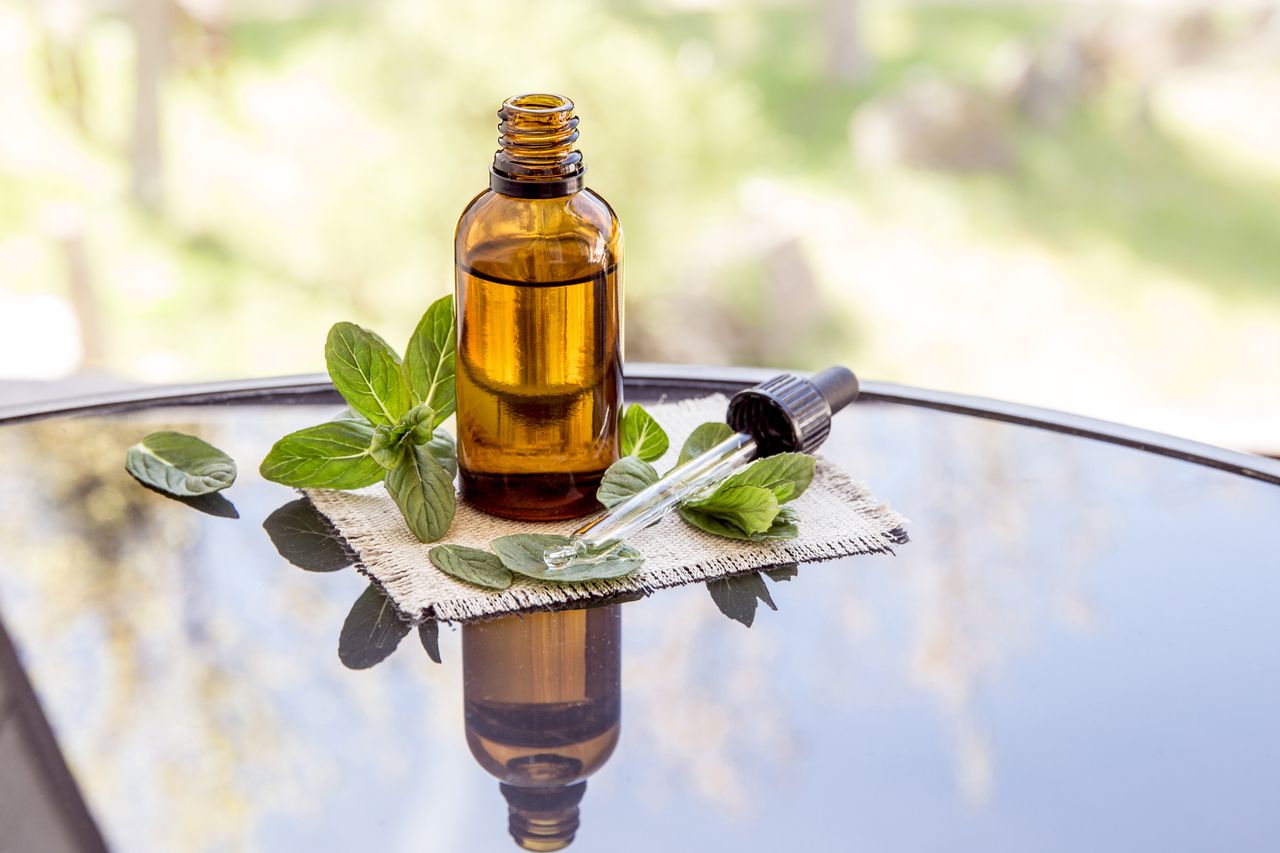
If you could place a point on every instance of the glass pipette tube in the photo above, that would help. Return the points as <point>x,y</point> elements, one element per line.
<point>596,539</point>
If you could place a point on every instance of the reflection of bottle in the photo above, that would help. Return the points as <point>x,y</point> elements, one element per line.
<point>539,294</point>
<point>543,697</point>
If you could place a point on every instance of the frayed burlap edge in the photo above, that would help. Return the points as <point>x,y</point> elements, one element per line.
<point>529,595</point>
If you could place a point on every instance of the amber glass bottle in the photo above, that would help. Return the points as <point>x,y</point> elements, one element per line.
<point>542,696</point>
<point>539,288</point>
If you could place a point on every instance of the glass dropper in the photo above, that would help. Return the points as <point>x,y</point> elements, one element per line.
<point>787,413</point>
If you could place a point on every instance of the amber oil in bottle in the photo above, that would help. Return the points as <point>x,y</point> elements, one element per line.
<point>538,293</point>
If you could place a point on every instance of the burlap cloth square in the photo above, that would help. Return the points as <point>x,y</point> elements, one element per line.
<point>838,518</point>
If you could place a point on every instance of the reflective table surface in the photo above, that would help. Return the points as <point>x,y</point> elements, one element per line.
<point>1078,649</point>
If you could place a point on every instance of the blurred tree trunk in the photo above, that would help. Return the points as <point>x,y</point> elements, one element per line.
<point>150,33</point>
<point>84,300</point>
<point>847,60</point>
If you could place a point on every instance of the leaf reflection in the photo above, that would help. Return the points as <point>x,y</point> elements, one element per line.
<point>783,573</point>
<point>211,504</point>
<point>305,539</point>
<point>738,596</point>
<point>429,635</point>
<point>371,631</point>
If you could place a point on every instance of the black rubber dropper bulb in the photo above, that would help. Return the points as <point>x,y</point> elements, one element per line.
<point>791,413</point>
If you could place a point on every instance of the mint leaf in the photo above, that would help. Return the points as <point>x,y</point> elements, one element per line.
<point>738,507</point>
<point>623,479</point>
<point>522,554</point>
<point>749,508</point>
<point>471,565</point>
<point>703,438</point>
<point>423,490</point>
<point>443,450</point>
<point>371,631</point>
<point>180,464</point>
<point>784,525</point>
<point>738,597</point>
<point>332,455</point>
<point>418,423</point>
<point>429,360</point>
<point>641,435</point>
<point>387,446</point>
<point>366,372</point>
<point>787,475</point>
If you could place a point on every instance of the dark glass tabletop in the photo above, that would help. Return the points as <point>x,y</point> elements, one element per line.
<point>1077,650</point>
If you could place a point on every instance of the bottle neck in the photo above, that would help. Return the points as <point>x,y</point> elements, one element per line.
<point>537,158</point>
<point>543,819</point>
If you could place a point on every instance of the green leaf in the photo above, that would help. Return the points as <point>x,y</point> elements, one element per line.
<point>522,554</point>
<point>366,372</point>
<point>787,475</point>
<point>180,464</point>
<point>750,508</point>
<point>419,424</point>
<point>737,597</point>
<point>641,435</point>
<point>423,490</point>
<point>703,438</point>
<point>372,630</point>
<point>389,442</point>
<point>783,527</point>
<point>332,455</point>
<point>305,539</point>
<point>471,565</point>
<point>623,479</point>
<point>387,447</point>
<point>443,450</point>
<point>429,360</point>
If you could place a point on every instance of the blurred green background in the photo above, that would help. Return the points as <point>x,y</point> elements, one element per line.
<point>1068,204</point>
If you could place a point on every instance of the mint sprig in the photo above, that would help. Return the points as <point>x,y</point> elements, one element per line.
<point>391,433</point>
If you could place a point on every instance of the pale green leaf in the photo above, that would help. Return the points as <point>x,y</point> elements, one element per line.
<point>523,553</point>
<point>180,464</point>
<point>423,489</point>
<point>703,438</point>
<point>471,565</point>
<point>641,435</point>
<point>784,525</point>
<point>366,372</point>
<point>332,455</point>
<point>787,475</point>
<point>623,479</point>
<point>430,358</point>
<point>750,508</point>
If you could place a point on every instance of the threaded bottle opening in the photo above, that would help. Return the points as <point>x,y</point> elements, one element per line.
<point>536,157</point>
<point>543,819</point>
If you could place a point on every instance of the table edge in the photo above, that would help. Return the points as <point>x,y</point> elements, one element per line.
<point>677,381</point>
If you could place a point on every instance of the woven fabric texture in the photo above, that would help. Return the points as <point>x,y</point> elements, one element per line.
<point>838,518</point>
